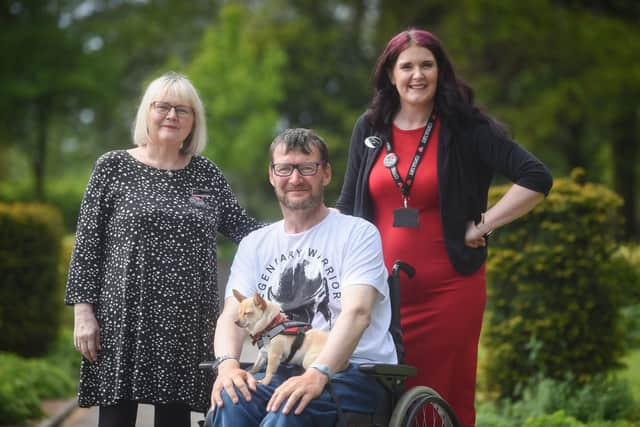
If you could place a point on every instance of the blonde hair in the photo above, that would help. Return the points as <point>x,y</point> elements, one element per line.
<point>177,85</point>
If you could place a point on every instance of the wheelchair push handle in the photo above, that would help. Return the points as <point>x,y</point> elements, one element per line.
<point>394,295</point>
<point>400,265</point>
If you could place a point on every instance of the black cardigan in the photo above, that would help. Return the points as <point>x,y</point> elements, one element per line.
<point>466,167</point>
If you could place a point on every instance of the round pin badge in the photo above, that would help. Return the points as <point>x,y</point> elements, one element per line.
<point>390,160</point>
<point>372,142</point>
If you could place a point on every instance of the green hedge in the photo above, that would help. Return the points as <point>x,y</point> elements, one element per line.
<point>30,278</point>
<point>555,290</point>
<point>24,383</point>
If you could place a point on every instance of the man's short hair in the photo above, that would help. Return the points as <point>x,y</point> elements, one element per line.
<point>303,140</point>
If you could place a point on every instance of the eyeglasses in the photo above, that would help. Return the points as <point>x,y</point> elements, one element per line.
<point>163,108</point>
<point>305,169</point>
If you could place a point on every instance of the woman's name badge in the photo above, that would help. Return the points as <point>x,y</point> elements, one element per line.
<point>372,142</point>
<point>405,217</point>
<point>390,160</point>
<point>199,197</point>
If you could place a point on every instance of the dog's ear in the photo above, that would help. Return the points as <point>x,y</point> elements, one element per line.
<point>259,302</point>
<point>238,296</point>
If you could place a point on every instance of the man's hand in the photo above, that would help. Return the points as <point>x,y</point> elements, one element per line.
<point>86,332</point>
<point>230,376</point>
<point>303,389</point>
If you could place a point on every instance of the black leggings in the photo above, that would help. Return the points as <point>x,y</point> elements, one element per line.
<point>124,413</point>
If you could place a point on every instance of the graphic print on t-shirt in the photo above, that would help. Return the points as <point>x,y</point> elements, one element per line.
<point>306,273</point>
<point>303,283</point>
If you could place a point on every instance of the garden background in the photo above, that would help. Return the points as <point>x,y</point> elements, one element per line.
<point>561,332</point>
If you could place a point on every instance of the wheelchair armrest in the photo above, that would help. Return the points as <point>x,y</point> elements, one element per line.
<point>207,365</point>
<point>388,369</point>
<point>392,377</point>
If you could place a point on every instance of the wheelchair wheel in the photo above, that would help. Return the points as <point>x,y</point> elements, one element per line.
<point>422,406</point>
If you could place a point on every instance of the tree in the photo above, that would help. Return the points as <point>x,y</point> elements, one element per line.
<point>330,47</point>
<point>566,80</point>
<point>324,84</point>
<point>73,70</point>
<point>239,74</point>
<point>46,73</point>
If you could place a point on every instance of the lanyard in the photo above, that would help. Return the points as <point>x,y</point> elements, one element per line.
<point>405,185</point>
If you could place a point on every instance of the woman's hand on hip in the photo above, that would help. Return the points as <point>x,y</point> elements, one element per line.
<point>474,236</point>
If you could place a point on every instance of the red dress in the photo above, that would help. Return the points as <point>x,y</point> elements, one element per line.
<point>441,309</point>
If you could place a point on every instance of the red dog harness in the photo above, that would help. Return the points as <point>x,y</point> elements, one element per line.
<point>281,325</point>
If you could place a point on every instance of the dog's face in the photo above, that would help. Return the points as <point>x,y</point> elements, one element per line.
<point>254,313</point>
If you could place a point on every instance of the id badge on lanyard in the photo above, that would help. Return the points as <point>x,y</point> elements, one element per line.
<point>407,216</point>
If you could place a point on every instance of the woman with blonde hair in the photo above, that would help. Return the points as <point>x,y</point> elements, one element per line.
<point>143,273</point>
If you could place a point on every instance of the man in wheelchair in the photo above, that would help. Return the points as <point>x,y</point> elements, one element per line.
<point>323,268</point>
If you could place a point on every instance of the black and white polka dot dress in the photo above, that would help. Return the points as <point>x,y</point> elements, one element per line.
<point>145,257</point>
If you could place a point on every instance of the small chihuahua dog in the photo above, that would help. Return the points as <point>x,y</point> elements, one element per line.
<point>259,317</point>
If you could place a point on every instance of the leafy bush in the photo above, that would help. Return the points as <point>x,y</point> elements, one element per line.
<point>556,289</point>
<point>18,402</point>
<point>557,419</point>
<point>548,402</point>
<point>603,398</point>
<point>631,313</point>
<point>631,253</point>
<point>63,271</point>
<point>24,382</point>
<point>63,355</point>
<point>617,423</point>
<point>30,289</point>
<point>489,414</point>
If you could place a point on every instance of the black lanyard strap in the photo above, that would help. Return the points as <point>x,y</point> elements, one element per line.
<point>405,185</point>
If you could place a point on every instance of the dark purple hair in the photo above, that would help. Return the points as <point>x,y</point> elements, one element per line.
<point>454,100</point>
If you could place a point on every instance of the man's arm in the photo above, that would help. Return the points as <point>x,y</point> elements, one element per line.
<point>355,315</point>
<point>357,304</point>
<point>228,342</point>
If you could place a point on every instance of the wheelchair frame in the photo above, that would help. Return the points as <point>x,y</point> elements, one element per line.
<point>404,404</point>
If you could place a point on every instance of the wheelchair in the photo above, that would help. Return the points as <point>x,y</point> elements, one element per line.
<point>418,406</point>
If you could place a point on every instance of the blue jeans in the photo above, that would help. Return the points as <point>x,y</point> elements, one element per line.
<point>355,391</point>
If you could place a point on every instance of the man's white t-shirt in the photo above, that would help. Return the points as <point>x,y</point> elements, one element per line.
<point>307,272</point>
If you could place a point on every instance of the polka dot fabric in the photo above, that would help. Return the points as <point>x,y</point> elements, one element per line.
<point>145,257</point>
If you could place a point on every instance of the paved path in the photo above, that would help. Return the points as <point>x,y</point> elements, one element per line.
<point>88,417</point>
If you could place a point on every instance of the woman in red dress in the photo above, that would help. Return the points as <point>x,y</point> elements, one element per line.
<point>420,164</point>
